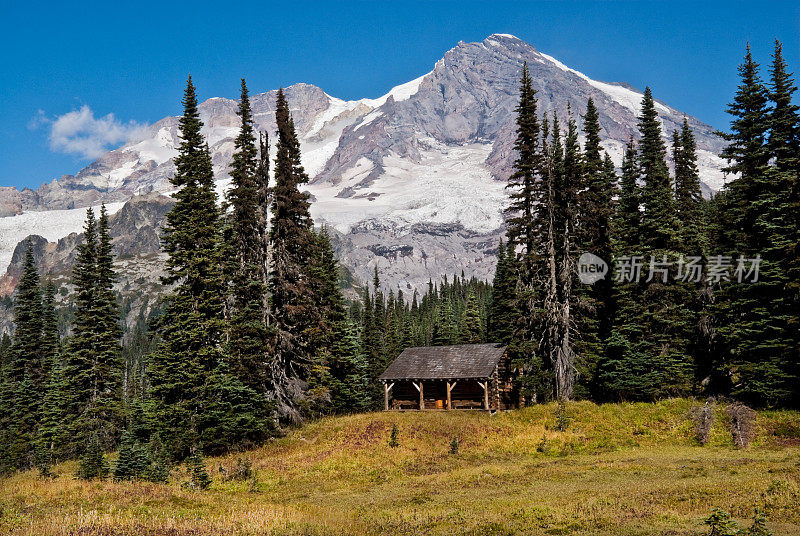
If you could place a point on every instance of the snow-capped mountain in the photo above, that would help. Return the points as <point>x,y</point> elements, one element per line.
<point>412,181</point>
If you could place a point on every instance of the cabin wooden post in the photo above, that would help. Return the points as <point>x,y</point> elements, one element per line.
<point>386,389</point>
<point>449,400</point>
<point>485,386</point>
<point>421,395</point>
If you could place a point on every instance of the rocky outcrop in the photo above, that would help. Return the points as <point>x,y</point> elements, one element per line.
<point>135,231</point>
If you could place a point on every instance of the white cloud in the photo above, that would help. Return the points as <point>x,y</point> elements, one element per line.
<point>80,132</point>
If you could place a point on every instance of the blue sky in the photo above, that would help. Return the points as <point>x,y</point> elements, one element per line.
<point>128,59</point>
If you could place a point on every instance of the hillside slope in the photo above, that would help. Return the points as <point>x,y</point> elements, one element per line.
<point>618,469</point>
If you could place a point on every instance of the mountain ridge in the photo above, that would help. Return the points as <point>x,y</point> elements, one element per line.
<point>419,170</point>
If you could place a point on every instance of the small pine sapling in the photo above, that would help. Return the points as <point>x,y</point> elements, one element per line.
<point>93,463</point>
<point>199,478</point>
<point>159,462</point>
<point>542,446</point>
<point>721,524</point>
<point>454,445</point>
<point>394,436</point>
<point>759,526</point>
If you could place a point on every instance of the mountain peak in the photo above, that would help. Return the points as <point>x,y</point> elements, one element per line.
<point>497,36</point>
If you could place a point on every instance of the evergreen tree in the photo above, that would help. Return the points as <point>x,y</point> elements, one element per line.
<point>51,339</point>
<point>502,317</point>
<point>132,463</point>
<point>350,388</point>
<point>522,226</point>
<point>92,368</point>
<point>198,475</point>
<point>784,133</point>
<point>593,304</point>
<point>757,327</point>
<point>93,463</point>
<point>443,326</point>
<point>247,334</point>
<point>28,359</point>
<point>649,349</point>
<point>472,330</point>
<point>107,333</point>
<point>159,461</point>
<point>327,290</point>
<point>746,154</point>
<point>25,374</point>
<point>52,439</point>
<point>595,200</point>
<point>291,286</point>
<point>627,216</point>
<point>688,198</point>
<point>233,415</point>
<point>562,183</point>
<point>659,221</point>
<point>50,436</point>
<point>526,224</point>
<point>191,326</point>
<point>784,148</point>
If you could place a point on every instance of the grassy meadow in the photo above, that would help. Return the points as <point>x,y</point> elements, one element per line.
<point>617,469</point>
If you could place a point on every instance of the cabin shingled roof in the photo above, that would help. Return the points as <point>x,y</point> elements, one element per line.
<point>445,362</point>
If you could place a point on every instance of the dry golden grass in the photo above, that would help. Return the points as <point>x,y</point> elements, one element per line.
<point>618,469</point>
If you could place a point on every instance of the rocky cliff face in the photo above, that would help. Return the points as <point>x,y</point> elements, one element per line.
<point>412,182</point>
<point>135,229</point>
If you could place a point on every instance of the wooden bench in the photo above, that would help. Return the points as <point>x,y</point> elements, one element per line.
<point>467,404</point>
<point>405,404</point>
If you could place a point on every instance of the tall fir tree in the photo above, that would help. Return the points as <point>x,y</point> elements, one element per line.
<point>783,143</point>
<point>562,182</point>
<point>522,184</point>
<point>659,220</point>
<point>472,328</point>
<point>28,356</point>
<point>688,197</point>
<point>595,200</point>
<point>351,383</point>
<point>758,342</point>
<point>190,329</point>
<point>502,315</point>
<point>93,368</point>
<point>627,215</point>
<point>755,344</point>
<point>784,148</point>
<point>526,217</point>
<point>747,155</point>
<point>649,349</point>
<point>293,244</point>
<point>593,304</point>
<point>24,374</point>
<point>248,336</point>
<point>51,436</point>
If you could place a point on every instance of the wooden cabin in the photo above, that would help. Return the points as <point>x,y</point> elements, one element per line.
<point>464,376</point>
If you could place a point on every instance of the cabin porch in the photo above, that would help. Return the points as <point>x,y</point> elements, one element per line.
<point>462,393</point>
